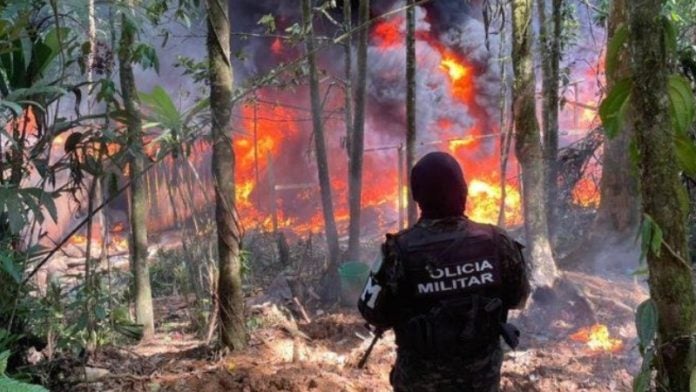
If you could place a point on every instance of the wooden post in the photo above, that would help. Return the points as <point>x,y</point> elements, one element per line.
<point>272,185</point>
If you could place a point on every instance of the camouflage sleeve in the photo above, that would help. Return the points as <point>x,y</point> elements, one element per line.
<point>377,303</point>
<point>515,273</point>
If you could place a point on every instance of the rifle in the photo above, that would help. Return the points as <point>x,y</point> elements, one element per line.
<point>378,335</point>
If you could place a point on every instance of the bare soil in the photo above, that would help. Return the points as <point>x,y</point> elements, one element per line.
<point>321,355</point>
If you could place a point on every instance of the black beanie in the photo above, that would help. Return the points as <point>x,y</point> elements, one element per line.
<point>438,186</point>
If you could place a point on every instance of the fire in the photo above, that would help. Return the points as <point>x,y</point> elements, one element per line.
<point>461,76</point>
<point>78,239</point>
<point>388,33</point>
<point>277,46</point>
<point>456,144</point>
<point>597,339</point>
<point>276,173</point>
<point>586,193</point>
<point>119,244</point>
<point>483,202</point>
<point>455,70</point>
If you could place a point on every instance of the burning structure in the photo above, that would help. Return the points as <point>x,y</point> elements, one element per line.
<point>459,103</point>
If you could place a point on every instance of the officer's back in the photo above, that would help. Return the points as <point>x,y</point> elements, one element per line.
<point>445,286</point>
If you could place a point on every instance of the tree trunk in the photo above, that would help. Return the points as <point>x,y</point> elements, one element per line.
<point>357,143</point>
<point>619,204</point>
<point>528,148</point>
<point>661,191</point>
<point>230,298</point>
<point>330,283</point>
<point>348,75</point>
<point>138,193</point>
<point>411,104</point>
<point>550,45</point>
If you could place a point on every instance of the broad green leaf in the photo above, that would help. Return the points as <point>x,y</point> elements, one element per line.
<point>644,234</point>
<point>14,107</point>
<point>4,356</point>
<point>692,380</point>
<point>681,100</point>
<point>685,149</point>
<point>21,93</point>
<point>651,237</point>
<point>646,322</point>
<point>641,382</point>
<point>614,49</point>
<point>656,239</point>
<point>163,109</point>
<point>15,214</point>
<point>10,268</point>
<point>613,108</point>
<point>8,384</point>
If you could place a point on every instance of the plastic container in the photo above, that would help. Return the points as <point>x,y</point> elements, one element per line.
<point>353,275</point>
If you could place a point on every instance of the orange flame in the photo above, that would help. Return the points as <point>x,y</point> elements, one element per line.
<point>388,34</point>
<point>586,193</point>
<point>597,339</point>
<point>277,46</point>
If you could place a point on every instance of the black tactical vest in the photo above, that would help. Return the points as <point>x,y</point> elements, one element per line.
<point>450,288</point>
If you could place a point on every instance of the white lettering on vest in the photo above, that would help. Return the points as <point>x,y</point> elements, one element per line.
<point>425,288</point>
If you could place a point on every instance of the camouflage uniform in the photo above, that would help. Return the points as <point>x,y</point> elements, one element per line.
<point>477,372</point>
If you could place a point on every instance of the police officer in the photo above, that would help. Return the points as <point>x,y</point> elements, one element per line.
<point>445,286</point>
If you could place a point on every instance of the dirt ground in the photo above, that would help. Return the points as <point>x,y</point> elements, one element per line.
<point>321,355</point>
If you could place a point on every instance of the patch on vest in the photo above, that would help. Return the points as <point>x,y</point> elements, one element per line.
<point>469,275</point>
<point>370,293</point>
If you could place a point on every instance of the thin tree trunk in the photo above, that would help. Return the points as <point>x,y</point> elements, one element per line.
<point>528,147</point>
<point>411,105</point>
<point>619,202</point>
<point>138,197</point>
<point>330,283</point>
<point>506,126</point>
<point>357,143</point>
<point>670,280</point>
<point>94,192</point>
<point>348,73</point>
<point>550,47</point>
<point>233,333</point>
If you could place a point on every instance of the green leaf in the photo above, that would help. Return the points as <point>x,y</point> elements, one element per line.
<point>613,108</point>
<point>651,237</point>
<point>641,382</point>
<point>656,240</point>
<point>641,271</point>
<point>615,48</point>
<point>646,322</point>
<point>146,56</point>
<point>692,380</point>
<point>8,384</point>
<point>268,21</point>
<point>685,149</point>
<point>4,356</point>
<point>681,100</point>
<point>15,214</point>
<point>10,268</point>
<point>14,107</point>
<point>163,109</point>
